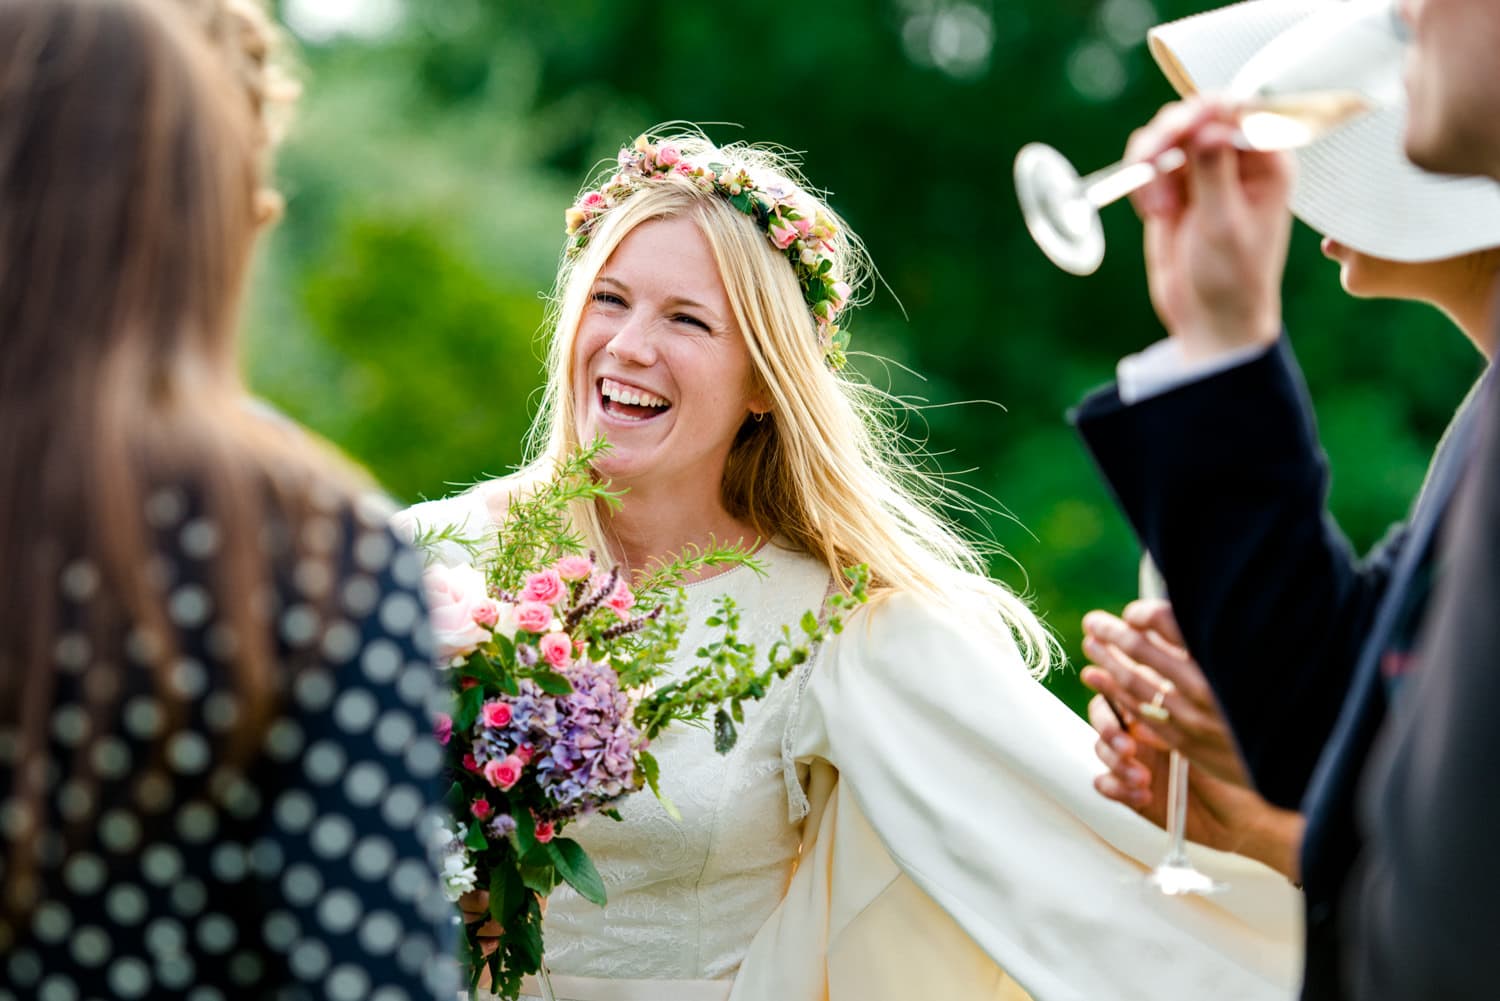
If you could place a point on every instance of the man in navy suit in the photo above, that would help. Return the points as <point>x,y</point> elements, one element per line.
<point>1211,449</point>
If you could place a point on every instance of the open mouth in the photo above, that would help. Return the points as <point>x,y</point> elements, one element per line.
<point>630,403</point>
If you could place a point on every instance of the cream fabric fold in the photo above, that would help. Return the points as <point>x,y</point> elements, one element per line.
<point>565,988</point>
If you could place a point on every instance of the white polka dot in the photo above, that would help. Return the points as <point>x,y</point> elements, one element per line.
<point>74,801</point>
<point>189,897</point>
<point>348,983</point>
<point>416,683</point>
<point>381,661</point>
<point>372,551</point>
<point>284,740</point>
<point>308,959</point>
<point>355,710</point>
<point>313,689</point>
<point>406,567</point>
<point>125,904</point>
<point>51,922</point>
<point>442,977</point>
<point>332,836</point>
<point>425,759</point>
<point>188,678</point>
<point>216,934</point>
<point>360,595</point>
<point>176,971</point>
<point>143,646</point>
<point>212,994</point>
<point>399,613</point>
<point>294,811</point>
<point>166,937</point>
<point>402,806</point>
<point>153,792</point>
<point>302,884</point>
<point>120,832</point>
<point>189,606</point>
<point>373,509</point>
<point>200,538</point>
<point>111,757</point>
<point>325,762</point>
<point>339,911</point>
<point>365,783</point>
<point>101,683</point>
<point>160,573</point>
<point>373,858</point>
<point>80,579</point>
<point>161,864</point>
<point>165,508</point>
<point>299,626</point>
<point>320,535</point>
<point>143,717</point>
<point>221,711</point>
<point>267,858</point>
<point>394,732</point>
<point>15,818</point>
<point>380,933</point>
<point>340,642</point>
<point>72,652</point>
<point>187,753</point>
<point>90,946</point>
<point>197,822</point>
<point>84,873</point>
<point>245,968</point>
<point>414,953</point>
<point>24,967</point>
<point>228,862</point>
<point>313,578</point>
<point>280,930</point>
<point>57,988</point>
<point>70,724</point>
<point>129,978</point>
<point>411,880</point>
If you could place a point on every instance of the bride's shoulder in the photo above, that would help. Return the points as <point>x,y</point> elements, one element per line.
<point>469,514</point>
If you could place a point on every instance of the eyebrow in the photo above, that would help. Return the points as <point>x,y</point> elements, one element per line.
<point>674,301</point>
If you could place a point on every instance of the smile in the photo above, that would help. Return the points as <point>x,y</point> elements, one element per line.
<point>630,404</point>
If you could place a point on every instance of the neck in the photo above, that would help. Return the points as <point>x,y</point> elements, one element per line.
<point>655,523</point>
<point>1469,300</point>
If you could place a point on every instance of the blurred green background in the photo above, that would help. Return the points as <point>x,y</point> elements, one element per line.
<point>398,307</point>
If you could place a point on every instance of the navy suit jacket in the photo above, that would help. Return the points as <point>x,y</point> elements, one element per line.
<point>1225,484</point>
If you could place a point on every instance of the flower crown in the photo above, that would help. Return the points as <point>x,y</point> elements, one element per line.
<point>791,221</point>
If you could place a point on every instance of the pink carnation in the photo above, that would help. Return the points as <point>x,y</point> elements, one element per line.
<point>481,808</point>
<point>496,713</point>
<point>504,773</point>
<point>442,728</point>
<point>545,831</point>
<point>533,616</point>
<point>574,568</point>
<point>546,587</point>
<point>557,649</point>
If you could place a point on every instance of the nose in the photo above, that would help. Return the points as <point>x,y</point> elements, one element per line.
<point>633,343</point>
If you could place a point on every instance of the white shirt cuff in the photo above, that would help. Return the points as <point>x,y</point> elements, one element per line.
<point>1161,368</point>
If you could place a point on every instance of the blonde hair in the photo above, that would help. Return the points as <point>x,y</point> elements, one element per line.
<point>828,470</point>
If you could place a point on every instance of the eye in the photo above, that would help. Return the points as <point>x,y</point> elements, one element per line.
<point>690,320</point>
<point>607,299</point>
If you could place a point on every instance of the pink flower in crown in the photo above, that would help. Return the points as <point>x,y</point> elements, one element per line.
<point>557,649</point>
<point>621,599</point>
<point>504,773</point>
<point>442,728</point>
<point>667,155</point>
<point>782,233</point>
<point>481,808</point>
<point>840,293</point>
<point>545,831</point>
<point>546,587</point>
<point>593,201</point>
<point>574,218</point>
<point>574,568</point>
<point>803,224</point>
<point>625,157</point>
<point>533,616</point>
<point>496,713</point>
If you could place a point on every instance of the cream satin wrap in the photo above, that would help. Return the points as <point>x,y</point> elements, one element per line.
<point>957,850</point>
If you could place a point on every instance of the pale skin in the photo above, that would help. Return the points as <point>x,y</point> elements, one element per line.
<point>1216,234</point>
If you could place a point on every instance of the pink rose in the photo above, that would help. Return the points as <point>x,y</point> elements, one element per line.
<point>442,728</point>
<point>620,599</point>
<point>593,200</point>
<point>804,225</point>
<point>471,763</point>
<point>840,292</point>
<point>783,233</point>
<point>546,587</point>
<point>495,713</point>
<point>533,616</point>
<point>667,154</point>
<point>574,568</point>
<point>481,808</point>
<point>504,773</point>
<point>453,593</point>
<point>557,649</point>
<point>487,613</point>
<point>525,752</point>
<point>545,832</point>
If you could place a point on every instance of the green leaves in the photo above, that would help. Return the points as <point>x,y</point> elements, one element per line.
<point>469,703</point>
<point>551,682</point>
<point>475,840</point>
<point>574,865</point>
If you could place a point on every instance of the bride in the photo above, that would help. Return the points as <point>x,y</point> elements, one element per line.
<point>911,815</point>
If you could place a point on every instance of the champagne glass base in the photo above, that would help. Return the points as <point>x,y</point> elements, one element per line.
<point>1180,880</point>
<point>1061,219</point>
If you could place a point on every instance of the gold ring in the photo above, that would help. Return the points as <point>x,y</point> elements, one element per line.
<point>1156,709</point>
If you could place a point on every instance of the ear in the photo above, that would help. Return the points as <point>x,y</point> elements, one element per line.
<point>759,406</point>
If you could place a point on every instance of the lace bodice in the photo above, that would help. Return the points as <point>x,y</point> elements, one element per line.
<point>686,896</point>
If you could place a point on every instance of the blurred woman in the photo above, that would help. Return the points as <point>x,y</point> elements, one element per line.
<point>214,759</point>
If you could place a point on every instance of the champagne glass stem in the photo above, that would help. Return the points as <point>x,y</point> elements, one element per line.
<point>1177,801</point>
<point>1110,184</point>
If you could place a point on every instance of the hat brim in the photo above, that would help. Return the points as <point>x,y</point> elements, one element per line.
<point>1354,184</point>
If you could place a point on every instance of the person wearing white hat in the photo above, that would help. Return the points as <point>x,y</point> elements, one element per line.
<point>1209,443</point>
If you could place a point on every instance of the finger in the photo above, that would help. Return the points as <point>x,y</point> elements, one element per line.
<point>1168,660</point>
<point>1166,194</point>
<point>1155,614</point>
<point>1110,728</point>
<point>1110,787</point>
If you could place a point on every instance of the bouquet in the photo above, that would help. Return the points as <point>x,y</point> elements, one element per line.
<point>561,681</point>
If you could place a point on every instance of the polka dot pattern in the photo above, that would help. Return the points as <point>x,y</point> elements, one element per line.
<point>169,869</point>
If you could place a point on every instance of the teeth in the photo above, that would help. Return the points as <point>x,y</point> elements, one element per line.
<point>624,394</point>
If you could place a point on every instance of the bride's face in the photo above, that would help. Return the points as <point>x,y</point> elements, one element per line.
<point>660,365</point>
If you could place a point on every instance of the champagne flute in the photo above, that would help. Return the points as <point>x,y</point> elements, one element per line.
<point>1175,875</point>
<point>1324,71</point>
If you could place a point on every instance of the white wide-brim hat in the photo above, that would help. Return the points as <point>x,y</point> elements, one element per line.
<point>1355,184</point>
